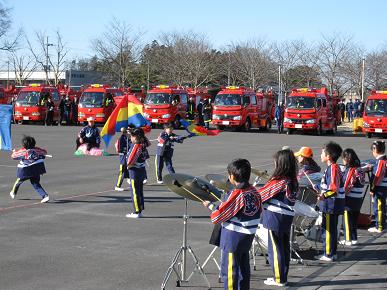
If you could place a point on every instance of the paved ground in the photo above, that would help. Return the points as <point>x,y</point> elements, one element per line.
<point>82,240</point>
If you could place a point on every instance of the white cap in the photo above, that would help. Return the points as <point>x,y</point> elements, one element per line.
<point>90,119</point>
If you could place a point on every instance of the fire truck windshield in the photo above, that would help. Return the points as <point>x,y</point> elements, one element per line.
<point>28,98</point>
<point>298,102</point>
<point>376,108</point>
<point>228,100</point>
<point>91,100</point>
<point>158,99</point>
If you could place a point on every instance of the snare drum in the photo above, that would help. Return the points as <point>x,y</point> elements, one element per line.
<point>262,237</point>
<point>305,215</point>
<point>307,195</point>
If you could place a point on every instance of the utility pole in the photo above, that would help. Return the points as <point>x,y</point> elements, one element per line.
<point>148,76</point>
<point>8,75</point>
<point>47,68</point>
<point>362,79</point>
<point>279,85</point>
<point>229,67</point>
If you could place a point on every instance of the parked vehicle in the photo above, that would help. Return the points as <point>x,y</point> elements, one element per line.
<point>375,114</point>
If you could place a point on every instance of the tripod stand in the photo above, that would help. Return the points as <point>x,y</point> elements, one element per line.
<point>180,258</point>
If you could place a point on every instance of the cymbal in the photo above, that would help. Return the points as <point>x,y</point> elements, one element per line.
<point>220,181</point>
<point>191,187</point>
<point>260,173</point>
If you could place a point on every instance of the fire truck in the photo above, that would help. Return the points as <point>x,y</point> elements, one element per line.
<point>31,106</point>
<point>97,101</point>
<point>240,108</point>
<point>265,107</point>
<point>166,104</point>
<point>310,110</point>
<point>3,98</point>
<point>375,114</point>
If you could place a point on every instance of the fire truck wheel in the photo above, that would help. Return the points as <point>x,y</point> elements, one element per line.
<point>269,124</point>
<point>20,122</point>
<point>369,135</point>
<point>247,126</point>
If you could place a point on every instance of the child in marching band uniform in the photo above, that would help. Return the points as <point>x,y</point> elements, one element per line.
<point>353,179</point>
<point>164,151</point>
<point>278,197</point>
<point>136,157</point>
<point>123,145</point>
<point>239,216</point>
<point>332,199</point>
<point>30,167</point>
<point>378,189</point>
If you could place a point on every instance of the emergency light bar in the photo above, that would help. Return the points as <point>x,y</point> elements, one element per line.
<point>96,86</point>
<point>381,92</point>
<point>162,87</point>
<point>305,90</point>
<point>35,85</point>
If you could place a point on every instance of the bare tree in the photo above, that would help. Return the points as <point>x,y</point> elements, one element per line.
<point>58,62</point>
<point>23,65</point>
<point>376,70</point>
<point>186,58</point>
<point>251,63</point>
<point>118,50</point>
<point>7,43</point>
<point>332,56</point>
<point>288,55</point>
<point>43,57</point>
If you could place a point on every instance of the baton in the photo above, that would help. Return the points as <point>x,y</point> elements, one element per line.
<point>48,155</point>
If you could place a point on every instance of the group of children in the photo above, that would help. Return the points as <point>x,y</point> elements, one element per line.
<point>340,193</point>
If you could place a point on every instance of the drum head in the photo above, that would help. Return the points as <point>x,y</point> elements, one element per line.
<point>303,209</point>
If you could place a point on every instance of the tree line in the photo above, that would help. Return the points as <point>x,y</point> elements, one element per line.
<point>191,59</point>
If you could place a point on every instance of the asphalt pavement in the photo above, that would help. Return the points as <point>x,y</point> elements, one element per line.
<point>81,239</point>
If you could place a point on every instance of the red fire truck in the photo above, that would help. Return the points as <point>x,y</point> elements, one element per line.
<point>375,114</point>
<point>97,101</point>
<point>31,103</point>
<point>310,110</point>
<point>239,108</point>
<point>265,107</point>
<point>3,98</point>
<point>166,104</point>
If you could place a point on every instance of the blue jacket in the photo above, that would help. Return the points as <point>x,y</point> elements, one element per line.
<point>239,216</point>
<point>90,135</point>
<point>31,162</point>
<point>278,202</point>
<point>379,177</point>
<point>124,145</point>
<point>332,188</point>
<point>353,179</point>
<point>278,113</point>
<point>166,142</point>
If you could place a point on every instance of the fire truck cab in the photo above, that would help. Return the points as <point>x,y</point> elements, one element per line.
<point>166,104</point>
<point>309,110</point>
<point>375,114</point>
<point>31,103</point>
<point>236,107</point>
<point>97,101</point>
<point>3,98</point>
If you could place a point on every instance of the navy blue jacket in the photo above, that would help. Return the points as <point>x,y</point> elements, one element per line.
<point>239,216</point>
<point>332,188</point>
<point>90,135</point>
<point>353,179</point>
<point>31,162</point>
<point>166,143</point>
<point>278,202</point>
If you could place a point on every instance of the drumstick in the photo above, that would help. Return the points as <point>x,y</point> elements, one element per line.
<point>311,182</point>
<point>48,155</point>
<point>193,194</point>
